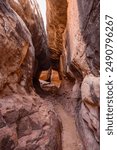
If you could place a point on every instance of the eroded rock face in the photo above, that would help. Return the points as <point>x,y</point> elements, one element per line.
<point>80,60</point>
<point>26,121</point>
<point>16,49</point>
<point>83,48</point>
<point>30,13</point>
<point>88,115</point>
<point>83,35</point>
<point>56,22</point>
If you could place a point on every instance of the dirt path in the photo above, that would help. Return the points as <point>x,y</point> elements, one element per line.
<point>70,138</point>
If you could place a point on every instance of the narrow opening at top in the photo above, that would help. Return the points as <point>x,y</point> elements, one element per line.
<point>42,5</point>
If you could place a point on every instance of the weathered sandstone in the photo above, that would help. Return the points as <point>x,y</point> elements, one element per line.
<point>30,13</point>
<point>16,49</point>
<point>26,121</point>
<point>79,42</point>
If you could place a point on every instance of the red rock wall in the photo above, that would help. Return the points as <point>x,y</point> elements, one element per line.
<point>26,121</point>
<point>84,48</point>
<point>16,49</point>
<point>30,13</point>
<point>56,22</point>
<point>81,60</point>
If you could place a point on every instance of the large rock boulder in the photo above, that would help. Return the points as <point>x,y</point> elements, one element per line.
<point>16,49</point>
<point>28,123</point>
<point>30,13</point>
<point>88,115</point>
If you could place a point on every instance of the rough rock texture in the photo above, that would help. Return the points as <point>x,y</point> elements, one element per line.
<point>26,121</point>
<point>16,49</point>
<point>56,22</point>
<point>88,113</point>
<point>80,61</point>
<point>82,35</point>
<point>30,13</point>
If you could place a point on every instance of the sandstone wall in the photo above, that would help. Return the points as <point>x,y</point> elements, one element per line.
<point>81,60</point>
<point>83,54</point>
<point>30,13</point>
<point>26,121</point>
<point>56,22</point>
<point>16,49</point>
<point>83,35</point>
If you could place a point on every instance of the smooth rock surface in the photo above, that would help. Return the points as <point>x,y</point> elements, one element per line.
<point>30,13</point>
<point>82,36</point>
<point>89,112</point>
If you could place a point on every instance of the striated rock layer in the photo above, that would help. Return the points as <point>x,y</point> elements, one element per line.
<point>56,22</point>
<point>26,121</point>
<point>88,115</point>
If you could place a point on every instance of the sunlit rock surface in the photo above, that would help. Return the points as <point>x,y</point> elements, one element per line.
<point>56,22</point>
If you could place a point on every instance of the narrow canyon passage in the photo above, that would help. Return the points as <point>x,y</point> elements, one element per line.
<point>49,112</point>
<point>70,137</point>
<point>70,134</point>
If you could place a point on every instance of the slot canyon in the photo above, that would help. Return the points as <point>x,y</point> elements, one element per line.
<point>50,78</point>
